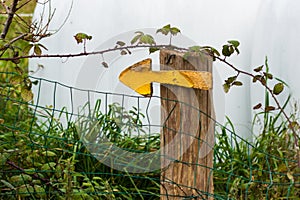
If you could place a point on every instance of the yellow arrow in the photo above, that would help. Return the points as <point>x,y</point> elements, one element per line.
<point>139,77</point>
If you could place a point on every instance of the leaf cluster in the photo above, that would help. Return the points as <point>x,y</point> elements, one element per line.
<point>167,29</point>
<point>230,48</point>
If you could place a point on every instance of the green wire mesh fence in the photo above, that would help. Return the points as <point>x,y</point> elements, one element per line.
<point>103,150</point>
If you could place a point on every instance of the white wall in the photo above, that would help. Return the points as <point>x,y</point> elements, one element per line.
<point>263,27</point>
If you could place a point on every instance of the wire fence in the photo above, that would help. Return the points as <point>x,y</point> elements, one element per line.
<point>108,146</point>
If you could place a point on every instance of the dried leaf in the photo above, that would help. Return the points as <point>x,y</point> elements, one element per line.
<point>104,64</point>
<point>268,75</point>
<point>257,106</point>
<point>290,176</point>
<point>123,52</point>
<point>269,108</point>
<point>256,78</point>
<point>258,69</point>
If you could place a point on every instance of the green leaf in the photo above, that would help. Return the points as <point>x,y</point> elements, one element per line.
<point>231,50</point>
<point>195,48</point>
<point>226,87</point>
<point>48,166</point>
<point>48,153</point>
<point>40,192</point>
<point>237,83</point>
<point>135,39</point>
<point>26,94</point>
<point>121,43</point>
<point>257,106</point>
<point>139,32</point>
<point>153,49</point>
<point>79,37</point>
<point>226,50</point>
<point>231,79</point>
<point>237,50</point>
<point>235,43</point>
<point>164,30</point>
<point>27,48</point>
<point>7,184</point>
<point>25,190</point>
<point>147,39</point>
<point>175,31</point>
<point>214,51</point>
<point>278,88</point>
<point>37,50</point>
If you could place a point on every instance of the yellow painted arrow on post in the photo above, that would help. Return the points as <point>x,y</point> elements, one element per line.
<point>140,76</point>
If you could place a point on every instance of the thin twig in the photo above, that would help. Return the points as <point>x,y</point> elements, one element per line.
<point>7,45</point>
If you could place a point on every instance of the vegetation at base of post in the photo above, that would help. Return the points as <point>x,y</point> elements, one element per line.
<point>46,159</point>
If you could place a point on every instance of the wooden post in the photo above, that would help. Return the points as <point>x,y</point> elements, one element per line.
<point>187,137</point>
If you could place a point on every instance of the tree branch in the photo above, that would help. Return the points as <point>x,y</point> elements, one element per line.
<point>274,98</point>
<point>91,53</point>
<point>9,19</point>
